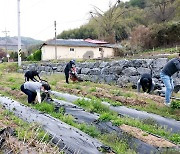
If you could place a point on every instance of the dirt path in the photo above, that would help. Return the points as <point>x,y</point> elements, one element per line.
<point>103,93</point>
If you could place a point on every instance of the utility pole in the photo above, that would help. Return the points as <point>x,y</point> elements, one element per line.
<point>19,34</point>
<point>55,40</point>
<point>6,32</point>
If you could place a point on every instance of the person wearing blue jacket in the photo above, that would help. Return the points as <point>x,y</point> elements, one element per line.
<point>169,69</point>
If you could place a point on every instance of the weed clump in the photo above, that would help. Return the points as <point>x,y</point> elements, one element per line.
<point>175,104</point>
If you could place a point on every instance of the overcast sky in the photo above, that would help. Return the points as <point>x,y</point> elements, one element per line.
<point>38,16</point>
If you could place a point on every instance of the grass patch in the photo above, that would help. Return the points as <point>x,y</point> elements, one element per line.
<point>93,106</point>
<point>9,67</point>
<point>50,109</point>
<point>113,103</point>
<point>107,115</point>
<point>93,89</point>
<point>163,111</point>
<point>120,93</point>
<point>25,131</point>
<point>116,143</point>
<point>118,146</point>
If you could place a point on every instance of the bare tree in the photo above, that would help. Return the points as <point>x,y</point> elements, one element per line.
<point>106,21</point>
<point>140,38</point>
<point>110,20</point>
<point>161,10</point>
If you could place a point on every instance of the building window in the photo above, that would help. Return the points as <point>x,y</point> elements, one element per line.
<point>71,49</point>
<point>100,49</point>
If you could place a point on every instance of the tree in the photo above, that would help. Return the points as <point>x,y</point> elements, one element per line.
<point>161,10</point>
<point>36,56</point>
<point>112,26</point>
<point>139,3</point>
<point>141,38</point>
<point>2,53</point>
<point>106,22</point>
<point>14,56</point>
<point>120,33</point>
<point>85,31</point>
<point>166,34</point>
<point>33,48</point>
<point>116,24</point>
<point>177,11</point>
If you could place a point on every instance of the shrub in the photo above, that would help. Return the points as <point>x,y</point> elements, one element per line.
<point>140,38</point>
<point>175,104</point>
<point>36,56</point>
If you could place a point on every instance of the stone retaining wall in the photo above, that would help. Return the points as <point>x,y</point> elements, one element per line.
<point>122,72</point>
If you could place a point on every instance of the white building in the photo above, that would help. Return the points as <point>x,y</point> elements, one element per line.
<point>76,49</point>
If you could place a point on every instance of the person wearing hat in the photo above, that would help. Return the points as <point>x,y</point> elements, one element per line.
<point>33,89</point>
<point>146,83</point>
<point>68,68</point>
<point>169,69</point>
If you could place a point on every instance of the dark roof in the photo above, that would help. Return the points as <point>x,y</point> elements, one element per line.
<point>79,43</point>
<point>74,43</point>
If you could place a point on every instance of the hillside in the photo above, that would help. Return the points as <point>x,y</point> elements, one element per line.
<point>12,42</point>
<point>137,24</point>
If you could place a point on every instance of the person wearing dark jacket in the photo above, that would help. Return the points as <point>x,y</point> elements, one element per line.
<point>68,68</point>
<point>169,69</point>
<point>31,75</point>
<point>146,83</point>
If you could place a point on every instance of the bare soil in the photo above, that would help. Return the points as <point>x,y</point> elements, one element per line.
<point>15,93</point>
<point>103,93</point>
<point>148,138</point>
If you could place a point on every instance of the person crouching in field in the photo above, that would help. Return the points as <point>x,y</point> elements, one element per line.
<point>33,89</point>
<point>146,83</point>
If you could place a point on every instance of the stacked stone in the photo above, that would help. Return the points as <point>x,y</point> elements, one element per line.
<point>122,72</point>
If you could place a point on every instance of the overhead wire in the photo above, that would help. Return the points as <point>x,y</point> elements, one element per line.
<point>31,6</point>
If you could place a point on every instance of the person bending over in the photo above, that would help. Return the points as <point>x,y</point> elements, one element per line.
<point>68,68</point>
<point>31,75</point>
<point>169,69</point>
<point>146,83</point>
<point>33,89</point>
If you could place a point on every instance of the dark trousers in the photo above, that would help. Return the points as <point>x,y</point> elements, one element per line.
<point>27,79</point>
<point>31,95</point>
<point>67,76</point>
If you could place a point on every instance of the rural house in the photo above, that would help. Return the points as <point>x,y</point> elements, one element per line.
<point>76,49</point>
